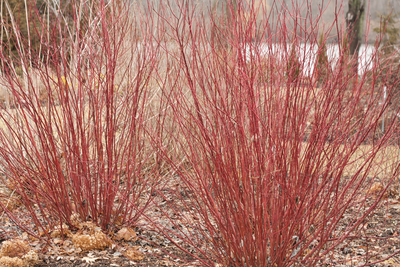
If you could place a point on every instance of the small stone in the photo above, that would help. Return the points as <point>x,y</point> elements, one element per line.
<point>346,251</point>
<point>360,251</point>
<point>117,254</point>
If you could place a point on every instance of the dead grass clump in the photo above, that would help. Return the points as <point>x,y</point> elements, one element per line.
<point>98,241</point>
<point>12,262</point>
<point>15,253</point>
<point>89,237</point>
<point>60,232</point>
<point>14,248</point>
<point>9,199</point>
<point>134,254</point>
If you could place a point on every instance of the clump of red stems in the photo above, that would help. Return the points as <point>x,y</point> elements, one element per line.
<point>72,134</point>
<point>277,153</point>
<point>271,152</point>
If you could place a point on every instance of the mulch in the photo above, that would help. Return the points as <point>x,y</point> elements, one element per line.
<point>381,240</point>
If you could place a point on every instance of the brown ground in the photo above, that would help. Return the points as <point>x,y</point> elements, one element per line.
<point>381,229</point>
<point>383,225</point>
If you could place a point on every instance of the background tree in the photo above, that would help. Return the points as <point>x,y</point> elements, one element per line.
<point>354,19</point>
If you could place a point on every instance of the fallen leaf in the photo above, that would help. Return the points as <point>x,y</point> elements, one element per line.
<point>376,189</point>
<point>89,259</point>
<point>57,241</point>
<point>395,206</point>
<point>126,234</point>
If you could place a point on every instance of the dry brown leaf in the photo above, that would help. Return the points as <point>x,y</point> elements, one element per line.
<point>11,203</point>
<point>376,190</point>
<point>119,221</point>
<point>57,241</point>
<point>126,234</point>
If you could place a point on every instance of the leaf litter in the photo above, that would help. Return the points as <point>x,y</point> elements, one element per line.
<point>142,245</point>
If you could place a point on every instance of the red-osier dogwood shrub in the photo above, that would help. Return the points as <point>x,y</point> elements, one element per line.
<point>271,154</point>
<point>72,135</point>
<point>268,148</point>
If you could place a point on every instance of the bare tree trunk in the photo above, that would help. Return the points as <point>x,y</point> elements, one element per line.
<point>354,23</point>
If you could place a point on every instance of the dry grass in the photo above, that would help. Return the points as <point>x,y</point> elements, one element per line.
<point>384,163</point>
